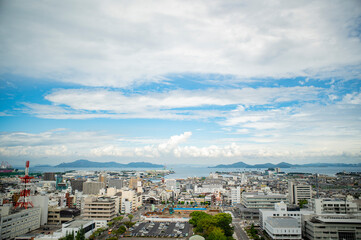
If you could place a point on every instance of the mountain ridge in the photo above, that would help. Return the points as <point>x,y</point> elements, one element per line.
<point>83,163</point>
<point>285,165</point>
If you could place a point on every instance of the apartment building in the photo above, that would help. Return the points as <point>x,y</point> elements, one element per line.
<point>130,201</point>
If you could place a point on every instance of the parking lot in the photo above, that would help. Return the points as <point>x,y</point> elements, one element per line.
<point>161,229</point>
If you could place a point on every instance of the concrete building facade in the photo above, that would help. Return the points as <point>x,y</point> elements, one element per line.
<point>19,222</point>
<point>99,208</point>
<point>332,228</point>
<point>92,187</point>
<point>299,191</point>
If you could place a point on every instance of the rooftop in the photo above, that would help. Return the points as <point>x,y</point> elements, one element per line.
<point>283,222</point>
<point>77,223</point>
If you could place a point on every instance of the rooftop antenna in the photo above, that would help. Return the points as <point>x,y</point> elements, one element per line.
<point>24,201</point>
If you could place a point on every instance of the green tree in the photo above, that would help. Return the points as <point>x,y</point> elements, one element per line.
<point>121,230</point>
<point>130,216</point>
<point>129,224</point>
<point>216,234</point>
<point>110,224</point>
<point>68,236</point>
<point>206,226</point>
<point>80,234</point>
<point>224,221</point>
<point>196,216</point>
<point>302,202</point>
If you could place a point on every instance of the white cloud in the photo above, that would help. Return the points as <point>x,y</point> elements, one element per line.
<point>119,43</point>
<point>101,103</point>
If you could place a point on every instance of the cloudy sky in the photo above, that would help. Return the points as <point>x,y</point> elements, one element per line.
<point>168,82</point>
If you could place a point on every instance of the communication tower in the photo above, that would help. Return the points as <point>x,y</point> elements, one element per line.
<point>25,192</point>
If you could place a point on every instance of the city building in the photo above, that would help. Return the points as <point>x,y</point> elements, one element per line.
<point>115,183</point>
<point>332,227</point>
<point>77,184</point>
<point>130,201</point>
<point>171,184</point>
<point>102,208</point>
<point>42,202</point>
<point>236,195</point>
<point>283,228</point>
<point>298,191</point>
<point>75,225</point>
<point>92,187</point>
<point>49,176</point>
<point>17,222</point>
<point>337,206</point>
<point>58,215</point>
<point>261,200</point>
<point>281,210</point>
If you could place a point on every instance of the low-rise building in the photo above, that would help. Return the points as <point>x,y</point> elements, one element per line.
<point>58,215</point>
<point>283,228</point>
<point>281,210</point>
<point>75,225</point>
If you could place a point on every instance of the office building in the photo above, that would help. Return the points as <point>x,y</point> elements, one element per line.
<point>18,222</point>
<point>102,208</point>
<point>261,200</point>
<point>334,206</point>
<point>298,191</point>
<point>333,227</point>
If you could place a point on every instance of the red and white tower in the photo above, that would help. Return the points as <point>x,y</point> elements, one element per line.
<point>25,192</point>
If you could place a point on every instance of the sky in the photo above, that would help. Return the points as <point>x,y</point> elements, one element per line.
<point>180,82</point>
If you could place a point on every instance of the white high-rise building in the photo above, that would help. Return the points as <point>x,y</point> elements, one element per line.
<point>236,195</point>
<point>171,184</point>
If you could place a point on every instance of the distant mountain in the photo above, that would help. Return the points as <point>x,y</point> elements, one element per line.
<point>234,165</point>
<point>89,164</point>
<point>43,165</point>
<point>285,165</point>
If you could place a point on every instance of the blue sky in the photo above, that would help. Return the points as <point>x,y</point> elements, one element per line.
<point>180,81</point>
